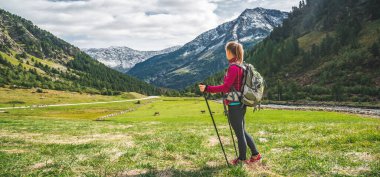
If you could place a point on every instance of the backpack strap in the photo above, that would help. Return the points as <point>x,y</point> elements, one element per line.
<point>239,65</point>
<point>232,87</point>
<point>242,65</point>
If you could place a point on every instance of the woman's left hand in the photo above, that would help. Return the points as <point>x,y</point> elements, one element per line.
<point>202,87</point>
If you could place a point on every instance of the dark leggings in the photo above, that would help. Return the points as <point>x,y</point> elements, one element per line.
<point>236,116</point>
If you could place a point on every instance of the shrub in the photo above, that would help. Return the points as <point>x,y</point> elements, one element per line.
<point>39,90</point>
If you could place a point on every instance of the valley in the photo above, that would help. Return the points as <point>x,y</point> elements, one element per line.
<point>66,141</point>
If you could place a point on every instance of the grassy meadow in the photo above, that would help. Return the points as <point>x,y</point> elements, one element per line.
<point>29,97</point>
<point>181,141</point>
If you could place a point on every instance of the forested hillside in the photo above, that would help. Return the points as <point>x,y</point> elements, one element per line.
<point>325,51</point>
<point>32,57</point>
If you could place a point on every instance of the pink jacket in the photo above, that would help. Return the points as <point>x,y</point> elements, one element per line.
<point>233,77</point>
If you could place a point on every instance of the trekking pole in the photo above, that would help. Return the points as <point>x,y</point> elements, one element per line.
<point>216,129</point>
<point>232,136</point>
<point>229,123</point>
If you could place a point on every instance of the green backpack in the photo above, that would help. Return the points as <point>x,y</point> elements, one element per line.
<point>252,88</point>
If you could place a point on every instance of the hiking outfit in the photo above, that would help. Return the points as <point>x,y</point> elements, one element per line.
<point>236,110</point>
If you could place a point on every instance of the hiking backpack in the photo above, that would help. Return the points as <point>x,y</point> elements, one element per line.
<point>252,88</point>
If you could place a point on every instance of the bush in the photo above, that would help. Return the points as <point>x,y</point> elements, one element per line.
<point>337,92</point>
<point>316,90</point>
<point>21,56</point>
<point>91,90</point>
<point>39,90</point>
<point>374,49</point>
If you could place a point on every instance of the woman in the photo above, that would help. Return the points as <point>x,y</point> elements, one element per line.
<point>236,113</point>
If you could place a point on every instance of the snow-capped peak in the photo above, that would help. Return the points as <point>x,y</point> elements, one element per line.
<point>123,58</point>
<point>182,67</point>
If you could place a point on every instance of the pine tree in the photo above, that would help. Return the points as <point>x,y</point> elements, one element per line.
<point>375,49</point>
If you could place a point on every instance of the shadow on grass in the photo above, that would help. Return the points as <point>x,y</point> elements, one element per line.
<point>259,169</point>
<point>203,172</point>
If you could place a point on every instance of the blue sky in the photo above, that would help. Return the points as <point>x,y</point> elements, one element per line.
<point>139,24</point>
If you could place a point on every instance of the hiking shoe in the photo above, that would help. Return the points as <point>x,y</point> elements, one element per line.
<point>238,161</point>
<point>254,159</point>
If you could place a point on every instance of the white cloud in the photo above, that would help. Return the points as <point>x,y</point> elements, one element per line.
<point>143,25</point>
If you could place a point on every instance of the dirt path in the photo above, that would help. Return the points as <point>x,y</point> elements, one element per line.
<point>76,104</point>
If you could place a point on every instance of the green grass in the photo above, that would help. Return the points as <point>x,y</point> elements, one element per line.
<point>370,29</point>
<point>181,141</point>
<point>47,62</point>
<point>12,60</point>
<point>306,41</point>
<point>31,97</point>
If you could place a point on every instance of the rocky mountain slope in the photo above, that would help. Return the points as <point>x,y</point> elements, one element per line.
<point>205,55</point>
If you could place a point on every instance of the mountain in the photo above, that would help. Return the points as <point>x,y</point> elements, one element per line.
<point>123,58</point>
<point>325,51</point>
<point>205,55</point>
<point>32,57</point>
